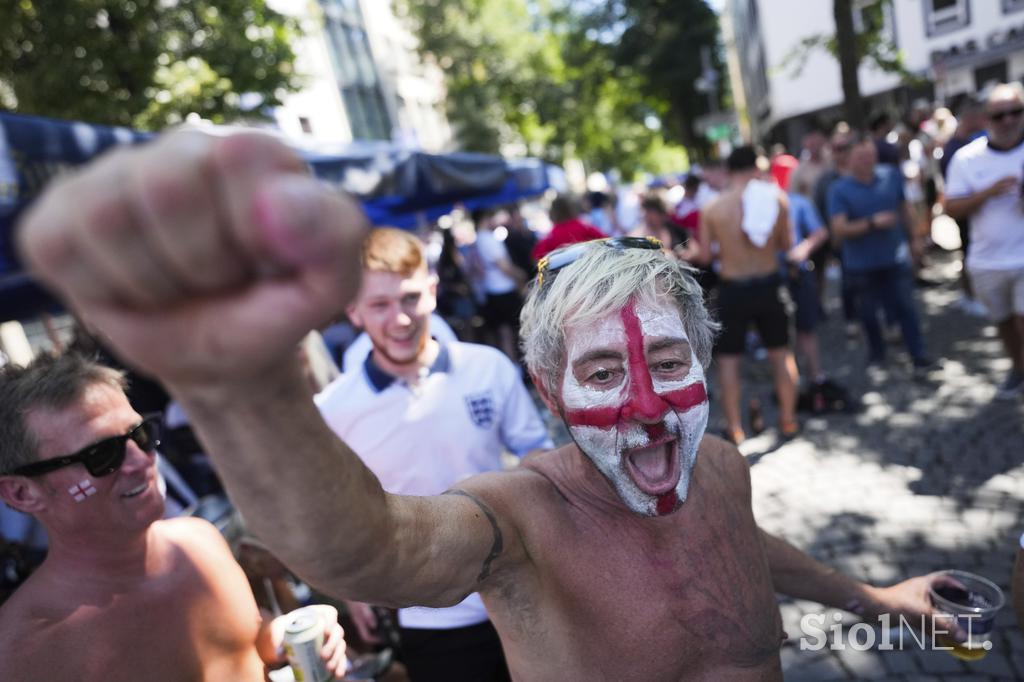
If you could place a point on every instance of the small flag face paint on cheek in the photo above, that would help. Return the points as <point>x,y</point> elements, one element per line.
<point>82,490</point>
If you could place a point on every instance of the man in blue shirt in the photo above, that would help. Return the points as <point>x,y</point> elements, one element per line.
<point>869,215</point>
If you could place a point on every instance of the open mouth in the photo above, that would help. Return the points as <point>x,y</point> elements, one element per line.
<point>655,468</point>
<point>137,490</point>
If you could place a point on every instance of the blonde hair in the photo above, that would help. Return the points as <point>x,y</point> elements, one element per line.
<point>602,280</point>
<point>387,249</point>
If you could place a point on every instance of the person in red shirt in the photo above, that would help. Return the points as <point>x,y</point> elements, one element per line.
<point>567,228</point>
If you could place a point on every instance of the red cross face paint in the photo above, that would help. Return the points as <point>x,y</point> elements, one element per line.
<point>82,490</point>
<point>635,401</point>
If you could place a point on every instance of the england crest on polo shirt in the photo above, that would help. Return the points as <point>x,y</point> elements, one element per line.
<point>481,409</point>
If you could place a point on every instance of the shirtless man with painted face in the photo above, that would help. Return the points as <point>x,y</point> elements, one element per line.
<point>630,554</point>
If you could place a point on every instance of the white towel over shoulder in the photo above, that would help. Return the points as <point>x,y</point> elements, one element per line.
<point>760,210</point>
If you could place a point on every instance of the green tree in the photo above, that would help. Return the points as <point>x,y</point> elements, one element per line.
<point>143,63</point>
<point>661,41</point>
<point>529,77</point>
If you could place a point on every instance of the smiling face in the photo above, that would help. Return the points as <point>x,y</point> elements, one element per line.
<point>634,398</point>
<point>77,502</point>
<point>1005,111</point>
<point>395,309</point>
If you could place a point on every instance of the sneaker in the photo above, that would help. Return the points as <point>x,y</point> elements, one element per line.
<point>735,437</point>
<point>923,367</point>
<point>789,431</point>
<point>1012,387</point>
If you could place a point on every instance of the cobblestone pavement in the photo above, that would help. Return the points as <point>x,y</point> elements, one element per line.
<point>928,476</point>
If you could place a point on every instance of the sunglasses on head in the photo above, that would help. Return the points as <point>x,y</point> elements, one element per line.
<point>103,457</point>
<point>1000,115</point>
<point>548,265</point>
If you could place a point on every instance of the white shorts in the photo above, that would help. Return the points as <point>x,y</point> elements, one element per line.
<point>1002,292</point>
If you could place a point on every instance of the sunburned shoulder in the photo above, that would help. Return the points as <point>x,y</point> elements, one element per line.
<point>198,537</point>
<point>721,458</point>
<point>513,491</point>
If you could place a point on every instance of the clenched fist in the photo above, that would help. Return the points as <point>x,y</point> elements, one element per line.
<point>201,259</point>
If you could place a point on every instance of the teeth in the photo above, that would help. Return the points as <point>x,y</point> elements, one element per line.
<point>135,491</point>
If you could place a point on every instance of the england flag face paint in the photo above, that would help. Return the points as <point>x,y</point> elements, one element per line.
<point>635,401</point>
<point>82,490</point>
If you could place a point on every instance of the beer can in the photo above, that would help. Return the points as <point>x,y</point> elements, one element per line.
<point>303,641</point>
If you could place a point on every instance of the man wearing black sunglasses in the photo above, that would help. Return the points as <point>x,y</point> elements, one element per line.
<point>630,554</point>
<point>984,185</point>
<point>122,594</point>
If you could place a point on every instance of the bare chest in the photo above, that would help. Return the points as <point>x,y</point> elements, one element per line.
<point>174,631</point>
<point>627,603</point>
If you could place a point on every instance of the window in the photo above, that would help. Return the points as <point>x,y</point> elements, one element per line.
<point>355,70</point>
<point>991,74</point>
<point>943,16</point>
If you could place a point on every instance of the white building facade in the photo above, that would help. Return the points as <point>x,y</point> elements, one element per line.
<point>957,46</point>
<point>363,78</point>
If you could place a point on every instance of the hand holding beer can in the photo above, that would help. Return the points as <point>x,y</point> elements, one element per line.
<point>303,641</point>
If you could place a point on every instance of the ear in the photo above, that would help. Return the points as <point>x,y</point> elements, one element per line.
<point>546,397</point>
<point>432,291</point>
<point>352,310</point>
<point>22,493</point>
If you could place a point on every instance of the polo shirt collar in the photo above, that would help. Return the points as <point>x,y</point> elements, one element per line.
<point>380,380</point>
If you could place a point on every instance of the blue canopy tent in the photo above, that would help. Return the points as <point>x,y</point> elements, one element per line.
<point>397,187</point>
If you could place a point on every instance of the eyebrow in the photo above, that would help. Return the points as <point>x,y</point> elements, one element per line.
<point>663,344</point>
<point>598,354</point>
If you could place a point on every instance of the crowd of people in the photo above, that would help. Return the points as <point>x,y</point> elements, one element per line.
<point>400,461</point>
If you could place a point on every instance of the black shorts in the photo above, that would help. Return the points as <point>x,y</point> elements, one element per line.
<point>502,309</point>
<point>760,301</point>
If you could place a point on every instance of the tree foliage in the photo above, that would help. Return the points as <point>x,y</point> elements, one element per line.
<point>660,41</point>
<point>549,79</point>
<point>143,63</point>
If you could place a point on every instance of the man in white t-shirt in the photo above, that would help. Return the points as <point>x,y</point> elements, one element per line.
<point>984,184</point>
<point>424,415</point>
<point>501,280</point>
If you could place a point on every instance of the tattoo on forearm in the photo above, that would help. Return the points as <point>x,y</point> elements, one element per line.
<point>498,544</point>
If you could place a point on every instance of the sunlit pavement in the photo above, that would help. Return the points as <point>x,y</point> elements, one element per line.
<point>928,476</point>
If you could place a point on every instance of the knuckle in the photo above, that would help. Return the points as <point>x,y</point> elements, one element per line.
<point>104,218</point>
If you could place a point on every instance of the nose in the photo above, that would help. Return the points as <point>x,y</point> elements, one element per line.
<point>135,458</point>
<point>644,405</point>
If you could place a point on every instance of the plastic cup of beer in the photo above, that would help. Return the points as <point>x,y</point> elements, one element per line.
<point>970,603</point>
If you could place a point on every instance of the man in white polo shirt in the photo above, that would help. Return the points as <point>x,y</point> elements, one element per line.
<point>423,416</point>
<point>984,184</point>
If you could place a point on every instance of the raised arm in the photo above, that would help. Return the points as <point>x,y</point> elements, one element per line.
<point>204,261</point>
